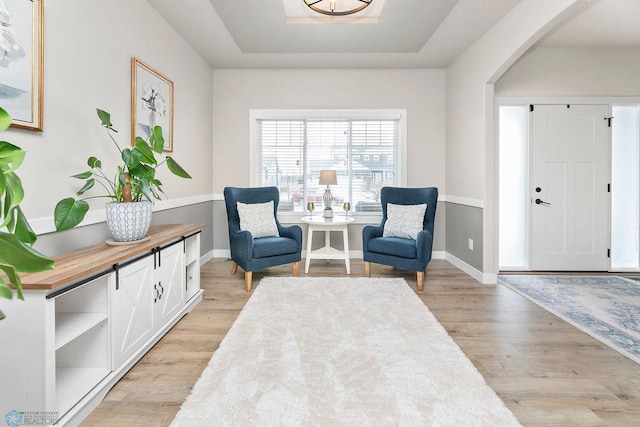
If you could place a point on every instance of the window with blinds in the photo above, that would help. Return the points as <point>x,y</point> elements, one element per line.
<point>364,154</point>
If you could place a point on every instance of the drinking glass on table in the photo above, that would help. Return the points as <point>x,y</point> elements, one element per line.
<point>347,207</point>
<point>310,208</point>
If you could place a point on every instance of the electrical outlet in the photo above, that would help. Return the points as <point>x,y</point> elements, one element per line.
<point>470,244</point>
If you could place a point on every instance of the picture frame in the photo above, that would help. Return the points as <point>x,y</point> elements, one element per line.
<point>21,67</point>
<point>151,103</point>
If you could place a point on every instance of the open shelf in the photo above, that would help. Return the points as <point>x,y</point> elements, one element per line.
<point>73,383</point>
<point>70,326</point>
<point>192,249</point>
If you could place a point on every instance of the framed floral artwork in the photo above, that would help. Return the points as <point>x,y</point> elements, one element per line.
<point>21,59</point>
<point>151,103</point>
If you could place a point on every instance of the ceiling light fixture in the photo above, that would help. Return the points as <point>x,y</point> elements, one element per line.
<point>337,7</point>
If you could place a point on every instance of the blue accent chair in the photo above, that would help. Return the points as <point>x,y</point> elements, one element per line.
<point>257,254</point>
<point>408,254</point>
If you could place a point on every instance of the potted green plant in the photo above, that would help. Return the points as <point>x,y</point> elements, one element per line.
<point>132,189</point>
<point>16,235</point>
<point>328,212</point>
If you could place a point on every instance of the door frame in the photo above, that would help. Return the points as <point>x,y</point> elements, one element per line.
<point>501,101</point>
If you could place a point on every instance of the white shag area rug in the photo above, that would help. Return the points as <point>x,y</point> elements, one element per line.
<point>340,352</point>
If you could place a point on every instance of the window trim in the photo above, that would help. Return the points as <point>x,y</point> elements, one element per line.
<point>338,114</point>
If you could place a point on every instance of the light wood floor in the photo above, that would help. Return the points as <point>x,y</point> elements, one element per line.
<point>546,371</point>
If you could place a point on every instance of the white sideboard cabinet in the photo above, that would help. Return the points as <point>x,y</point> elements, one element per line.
<point>84,324</point>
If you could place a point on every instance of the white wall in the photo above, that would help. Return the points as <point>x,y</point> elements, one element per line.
<point>578,71</point>
<point>88,49</point>
<point>470,134</point>
<point>420,92</point>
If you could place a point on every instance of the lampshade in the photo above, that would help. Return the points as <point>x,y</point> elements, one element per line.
<point>328,177</point>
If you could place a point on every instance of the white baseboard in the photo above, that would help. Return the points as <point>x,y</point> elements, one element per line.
<point>221,253</point>
<point>207,257</point>
<point>484,278</point>
<point>226,253</point>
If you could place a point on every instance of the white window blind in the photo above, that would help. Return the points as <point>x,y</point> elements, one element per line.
<point>363,153</point>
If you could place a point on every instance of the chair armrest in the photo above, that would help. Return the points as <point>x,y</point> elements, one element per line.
<point>370,232</point>
<point>241,243</point>
<point>292,232</point>
<point>424,244</point>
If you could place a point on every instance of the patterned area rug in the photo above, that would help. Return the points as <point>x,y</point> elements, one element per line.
<point>605,307</point>
<point>340,352</point>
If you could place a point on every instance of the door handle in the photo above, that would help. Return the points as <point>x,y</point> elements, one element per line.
<point>542,202</point>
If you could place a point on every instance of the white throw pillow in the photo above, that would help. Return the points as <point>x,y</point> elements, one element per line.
<point>258,219</point>
<point>404,220</point>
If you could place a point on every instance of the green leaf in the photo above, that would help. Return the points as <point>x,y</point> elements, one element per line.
<point>5,120</point>
<point>118,192</point>
<point>159,192</point>
<point>143,172</point>
<point>176,168</point>
<point>126,156</point>
<point>5,291</point>
<point>148,193</point>
<point>87,186</point>
<point>145,151</point>
<point>14,187</point>
<point>131,158</point>
<point>10,220</point>
<point>23,230</point>
<point>83,175</point>
<point>3,183</point>
<point>156,139</point>
<point>69,212</point>
<point>7,207</point>
<point>21,257</point>
<point>7,213</point>
<point>14,279</point>
<point>105,118</point>
<point>94,162</point>
<point>11,157</point>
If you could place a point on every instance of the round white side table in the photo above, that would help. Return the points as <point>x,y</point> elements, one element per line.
<point>319,223</point>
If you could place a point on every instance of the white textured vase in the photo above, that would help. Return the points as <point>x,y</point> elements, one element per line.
<point>128,222</point>
<point>328,213</point>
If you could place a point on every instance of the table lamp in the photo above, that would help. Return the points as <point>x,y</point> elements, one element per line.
<point>327,177</point>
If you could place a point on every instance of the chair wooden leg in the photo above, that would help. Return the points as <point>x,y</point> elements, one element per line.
<point>248,276</point>
<point>367,269</point>
<point>420,279</point>
<point>296,269</point>
<point>234,268</point>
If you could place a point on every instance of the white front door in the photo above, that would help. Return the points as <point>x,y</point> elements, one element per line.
<point>569,187</point>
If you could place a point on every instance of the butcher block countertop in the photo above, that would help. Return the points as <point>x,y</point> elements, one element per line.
<point>73,266</point>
